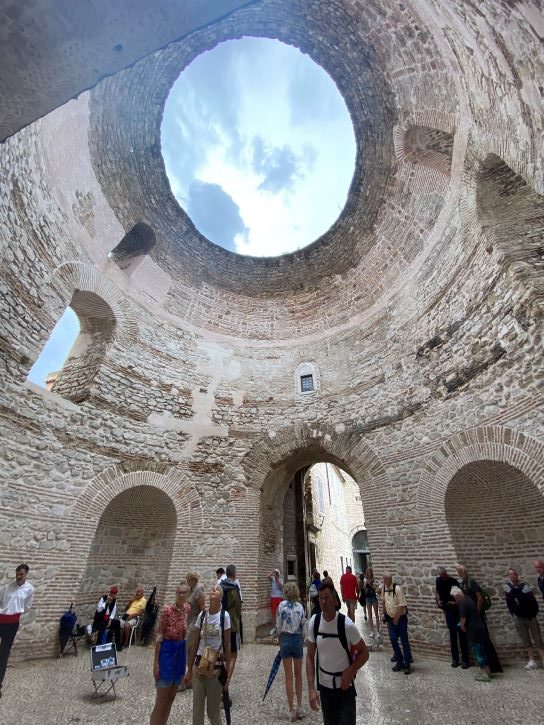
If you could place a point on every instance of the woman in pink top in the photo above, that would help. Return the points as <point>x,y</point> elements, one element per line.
<point>170,655</point>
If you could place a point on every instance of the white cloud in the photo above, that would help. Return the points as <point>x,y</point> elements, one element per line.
<point>263,122</point>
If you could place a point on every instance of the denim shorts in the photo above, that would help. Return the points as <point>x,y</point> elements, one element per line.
<point>291,646</point>
<point>168,683</point>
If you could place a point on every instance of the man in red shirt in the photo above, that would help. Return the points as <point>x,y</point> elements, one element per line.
<point>349,586</point>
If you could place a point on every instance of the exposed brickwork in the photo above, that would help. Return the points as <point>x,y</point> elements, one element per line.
<point>421,310</point>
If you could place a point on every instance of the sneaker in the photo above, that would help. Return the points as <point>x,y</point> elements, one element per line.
<point>399,667</point>
<point>465,665</point>
<point>293,717</point>
<point>455,663</point>
<point>300,712</point>
<point>407,670</point>
<point>394,658</point>
<point>273,632</point>
<point>482,678</point>
<point>531,665</point>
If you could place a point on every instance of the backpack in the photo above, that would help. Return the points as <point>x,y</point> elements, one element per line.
<point>231,602</point>
<point>340,634</point>
<point>486,599</point>
<point>522,604</point>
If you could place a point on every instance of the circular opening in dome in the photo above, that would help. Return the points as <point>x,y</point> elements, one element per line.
<point>258,146</point>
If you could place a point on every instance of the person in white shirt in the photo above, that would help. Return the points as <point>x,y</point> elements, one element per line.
<point>336,668</point>
<point>207,689</point>
<point>15,599</point>
<point>290,618</point>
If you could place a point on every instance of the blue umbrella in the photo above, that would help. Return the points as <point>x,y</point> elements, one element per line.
<point>273,673</point>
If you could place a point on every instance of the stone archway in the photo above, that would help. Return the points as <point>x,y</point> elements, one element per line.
<point>495,515</point>
<point>271,465</point>
<point>133,544</point>
<point>175,508</point>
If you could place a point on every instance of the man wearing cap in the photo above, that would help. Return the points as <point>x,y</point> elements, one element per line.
<point>105,612</point>
<point>15,599</point>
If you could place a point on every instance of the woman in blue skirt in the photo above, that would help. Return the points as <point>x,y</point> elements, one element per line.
<point>170,655</point>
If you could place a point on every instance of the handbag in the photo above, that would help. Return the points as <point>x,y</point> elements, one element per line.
<point>208,662</point>
<point>209,659</point>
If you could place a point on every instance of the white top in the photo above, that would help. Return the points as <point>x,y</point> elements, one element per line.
<point>290,617</point>
<point>102,605</point>
<point>276,587</point>
<point>211,630</point>
<point>332,656</point>
<point>16,599</point>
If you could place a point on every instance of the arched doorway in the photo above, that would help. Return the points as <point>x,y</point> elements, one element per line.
<point>133,544</point>
<point>496,518</point>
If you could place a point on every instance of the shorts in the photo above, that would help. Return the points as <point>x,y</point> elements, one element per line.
<point>274,604</point>
<point>528,629</point>
<point>233,642</point>
<point>291,646</point>
<point>372,599</point>
<point>351,603</point>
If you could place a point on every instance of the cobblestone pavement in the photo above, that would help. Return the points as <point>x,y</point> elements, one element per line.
<point>51,692</point>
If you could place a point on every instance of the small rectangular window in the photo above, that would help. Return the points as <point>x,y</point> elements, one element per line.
<point>306,383</point>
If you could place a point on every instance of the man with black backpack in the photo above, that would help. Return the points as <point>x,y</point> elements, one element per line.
<point>523,607</point>
<point>341,651</point>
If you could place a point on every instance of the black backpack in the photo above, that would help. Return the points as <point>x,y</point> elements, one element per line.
<point>522,604</point>
<point>340,634</point>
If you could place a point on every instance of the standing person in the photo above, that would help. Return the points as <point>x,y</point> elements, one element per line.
<point>327,578</point>
<point>444,599</point>
<point>197,601</point>
<point>170,654</point>
<point>539,568</point>
<point>105,611</point>
<point>290,620</point>
<point>15,599</point>
<point>396,617</point>
<point>213,628</point>
<point>314,592</point>
<point>471,622</point>
<point>276,595</point>
<point>372,603</point>
<point>349,588</point>
<point>232,603</point>
<point>472,588</point>
<point>523,607</point>
<point>362,598</point>
<point>333,636</point>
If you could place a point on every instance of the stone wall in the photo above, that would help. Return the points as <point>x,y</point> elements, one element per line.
<point>421,309</point>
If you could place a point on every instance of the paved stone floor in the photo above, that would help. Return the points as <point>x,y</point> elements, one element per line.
<point>51,692</point>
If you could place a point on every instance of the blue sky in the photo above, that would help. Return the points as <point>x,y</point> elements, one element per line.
<point>258,146</point>
<point>57,347</point>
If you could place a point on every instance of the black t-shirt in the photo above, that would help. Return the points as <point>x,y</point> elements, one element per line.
<point>471,588</point>
<point>473,625</point>
<point>443,587</point>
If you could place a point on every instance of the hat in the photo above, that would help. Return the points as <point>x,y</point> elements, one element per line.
<point>114,590</point>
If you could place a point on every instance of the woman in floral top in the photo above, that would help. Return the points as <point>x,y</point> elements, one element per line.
<point>290,619</point>
<point>170,655</point>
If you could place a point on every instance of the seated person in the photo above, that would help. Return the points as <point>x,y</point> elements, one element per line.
<point>105,612</point>
<point>121,628</point>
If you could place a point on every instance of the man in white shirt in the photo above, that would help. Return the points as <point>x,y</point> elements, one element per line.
<point>395,613</point>
<point>15,599</point>
<point>336,669</point>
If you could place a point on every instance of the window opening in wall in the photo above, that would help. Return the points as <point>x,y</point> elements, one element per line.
<point>258,146</point>
<point>50,361</point>
<point>134,247</point>
<point>306,383</point>
<point>291,567</point>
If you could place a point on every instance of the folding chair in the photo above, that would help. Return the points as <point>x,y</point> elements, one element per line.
<point>133,632</point>
<point>104,669</point>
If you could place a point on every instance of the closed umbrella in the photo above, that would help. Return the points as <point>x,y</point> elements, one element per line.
<point>273,673</point>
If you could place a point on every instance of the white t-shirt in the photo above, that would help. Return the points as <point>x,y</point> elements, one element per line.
<point>276,587</point>
<point>211,630</point>
<point>332,656</point>
<point>15,599</point>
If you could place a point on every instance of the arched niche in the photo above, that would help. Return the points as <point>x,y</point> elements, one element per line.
<point>495,514</point>
<point>137,243</point>
<point>133,544</point>
<point>97,327</point>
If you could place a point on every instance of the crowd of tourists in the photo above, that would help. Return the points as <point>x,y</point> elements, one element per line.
<point>198,636</point>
